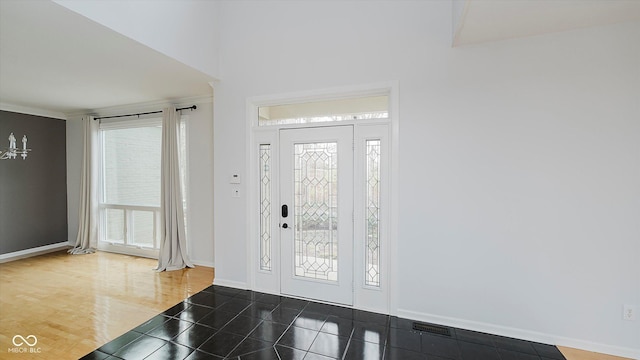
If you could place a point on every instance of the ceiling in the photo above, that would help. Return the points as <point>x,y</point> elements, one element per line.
<point>54,59</point>
<point>490,20</point>
<point>57,60</point>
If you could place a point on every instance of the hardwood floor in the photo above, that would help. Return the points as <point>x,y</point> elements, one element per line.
<point>74,304</point>
<point>575,354</point>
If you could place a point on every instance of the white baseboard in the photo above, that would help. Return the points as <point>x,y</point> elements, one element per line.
<point>230,283</point>
<point>266,291</point>
<point>33,252</point>
<point>129,250</point>
<point>203,263</point>
<point>521,334</point>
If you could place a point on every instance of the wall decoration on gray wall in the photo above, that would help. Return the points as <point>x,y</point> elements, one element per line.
<point>13,151</point>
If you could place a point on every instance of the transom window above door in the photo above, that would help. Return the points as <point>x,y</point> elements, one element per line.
<point>346,109</point>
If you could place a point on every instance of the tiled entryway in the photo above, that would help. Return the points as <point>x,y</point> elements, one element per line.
<point>226,323</point>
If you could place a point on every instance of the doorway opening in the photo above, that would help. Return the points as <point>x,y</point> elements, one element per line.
<point>320,196</point>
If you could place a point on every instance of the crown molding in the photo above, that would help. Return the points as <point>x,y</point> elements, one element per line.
<point>143,107</point>
<point>32,111</point>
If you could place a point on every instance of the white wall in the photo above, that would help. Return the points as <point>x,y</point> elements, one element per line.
<point>200,188</point>
<point>521,215</point>
<point>74,173</point>
<point>184,30</point>
<point>200,177</point>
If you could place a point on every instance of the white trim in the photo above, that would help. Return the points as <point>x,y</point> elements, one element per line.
<point>202,263</point>
<point>394,192</point>
<point>129,207</point>
<point>520,334</point>
<point>381,88</point>
<point>34,251</point>
<point>252,194</point>
<point>230,283</point>
<point>32,111</point>
<point>144,107</point>
<point>128,250</point>
<point>362,122</point>
<point>211,149</point>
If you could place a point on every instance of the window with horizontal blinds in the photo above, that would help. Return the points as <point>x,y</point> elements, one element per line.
<point>130,154</point>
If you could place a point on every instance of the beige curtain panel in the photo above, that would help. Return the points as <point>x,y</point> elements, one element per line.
<point>173,242</point>
<point>88,209</point>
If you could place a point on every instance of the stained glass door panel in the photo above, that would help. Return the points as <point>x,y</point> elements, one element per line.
<point>317,232</point>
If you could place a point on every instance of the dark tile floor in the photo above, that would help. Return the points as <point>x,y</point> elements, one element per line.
<point>226,323</point>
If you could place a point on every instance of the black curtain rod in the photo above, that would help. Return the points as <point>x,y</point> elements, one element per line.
<point>192,107</point>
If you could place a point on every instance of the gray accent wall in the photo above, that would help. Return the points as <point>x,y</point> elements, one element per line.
<point>33,192</point>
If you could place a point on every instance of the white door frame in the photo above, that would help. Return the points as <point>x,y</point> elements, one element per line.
<point>269,281</point>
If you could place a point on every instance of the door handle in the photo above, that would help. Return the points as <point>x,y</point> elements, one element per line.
<point>285,211</point>
<point>284,226</point>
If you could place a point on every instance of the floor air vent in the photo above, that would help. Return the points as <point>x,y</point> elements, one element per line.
<point>430,328</point>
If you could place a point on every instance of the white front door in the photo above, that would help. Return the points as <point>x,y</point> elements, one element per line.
<point>316,213</point>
